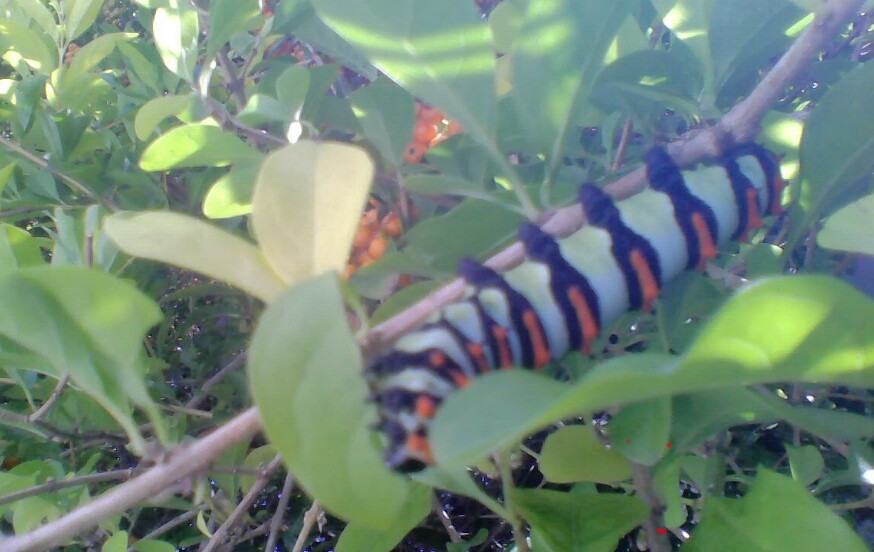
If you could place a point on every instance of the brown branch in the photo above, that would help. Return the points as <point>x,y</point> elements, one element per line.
<point>53,398</point>
<point>180,463</point>
<point>220,537</point>
<point>643,482</point>
<point>309,519</point>
<point>739,125</point>
<point>279,515</point>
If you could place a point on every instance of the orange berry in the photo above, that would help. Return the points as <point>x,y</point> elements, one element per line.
<point>424,132</point>
<point>430,115</point>
<point>362,237</point>
<point>377,247</point>
<point>404,280</point>
<point>415,151</point>
<point>391,224</point>
<point>364,259</point>
<point>348,271</point>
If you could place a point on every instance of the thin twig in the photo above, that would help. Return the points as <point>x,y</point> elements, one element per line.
<point>643,482</point>
<point>623,145</point>
<point>40,162</point>
<point>234,364</point>
<point>309,519</point>
<point>279,514</point>
<point>180,463</point>
<point>53,398</point>
<point>220,537</point>
<point>175,522</point>
<point>233,82</point>
<point>52,485</point>
<point>740,124</point>
<point>437,508</point>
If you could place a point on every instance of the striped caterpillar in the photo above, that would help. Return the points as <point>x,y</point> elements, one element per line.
<point>569,288</point>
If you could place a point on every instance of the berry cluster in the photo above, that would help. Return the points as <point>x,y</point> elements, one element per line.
<point>371,240</point>
<point>432,127</point>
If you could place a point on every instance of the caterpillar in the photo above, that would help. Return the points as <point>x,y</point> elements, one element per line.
<point>569,288</point>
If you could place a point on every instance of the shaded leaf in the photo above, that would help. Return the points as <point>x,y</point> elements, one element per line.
<point>850,228</point>
<point>777,513</point>
<point>579,521</point>
<point>574,453</point>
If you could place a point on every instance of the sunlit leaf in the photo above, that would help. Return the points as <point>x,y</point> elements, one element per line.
<point>176,31</point>
<point>17,42</point>
<point>156,110</point>
<point>195,146</point>
<point>307,203</point>
<point>303,357</point>
<point>190,243</point>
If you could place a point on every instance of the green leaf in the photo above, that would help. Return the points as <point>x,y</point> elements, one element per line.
<point>231,194</point>
<point>776,514</point>
<point>700,415</point>
<point>195,146</point>
<point>227,17</point>
<point>837,146</point>
<point>505,21</point>
<point>579,521</point>
<point>557,54</point>
<point>262,109</point>
<point>574,453</point>
<point>386,113</point>
<point>190,243</point>
<point>86,323</point>
<point>18,248</point>
<point>439,51</point>
<point>41,15</point>
<point>473,228</point>
<point>356,536</point>
<point>116,543</point>
<point>255,460</point>
<point>307,204</point>
<point>176,30</point>
<point>641,431</point>
<point>91,54</point>
<point>745,33</point>
<point>292,87</point>
<point>302,355</point>
<point>806,463</point>
<point>28,94</point>
<point>642,84</point>
<point>150,545</point>
<point>79,15</point>
<point>141,66</point>
<point>850,228</point>
<point>154,111</point>
<point>19,42</point>
<point>822,327</point>
<point>313,31</point>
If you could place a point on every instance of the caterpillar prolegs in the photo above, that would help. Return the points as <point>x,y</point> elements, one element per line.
<point>569,288</point>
